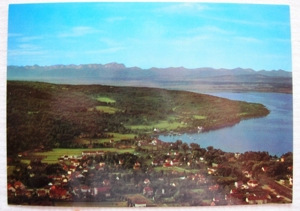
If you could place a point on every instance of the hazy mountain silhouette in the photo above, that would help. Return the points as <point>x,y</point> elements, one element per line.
<point>118,74</point>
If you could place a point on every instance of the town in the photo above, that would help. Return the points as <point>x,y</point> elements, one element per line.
<point>147,172</point>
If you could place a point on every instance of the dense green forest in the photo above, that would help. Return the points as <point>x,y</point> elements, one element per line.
<point>44,115</point>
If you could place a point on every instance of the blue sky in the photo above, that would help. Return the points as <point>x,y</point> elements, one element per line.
<point>151,35</point>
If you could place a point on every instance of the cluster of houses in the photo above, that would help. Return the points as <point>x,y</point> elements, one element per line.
<point>77,169</point>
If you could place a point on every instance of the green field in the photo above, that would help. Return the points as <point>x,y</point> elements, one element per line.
<point>105,109</point>
<point>176,168</point>
<point>105,99</point>
<point>161,125</point>
<point>52,156</point>
<point>116,137</point>
<point>199,117</point>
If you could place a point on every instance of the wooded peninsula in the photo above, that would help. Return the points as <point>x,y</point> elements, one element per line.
<point>54,115</point>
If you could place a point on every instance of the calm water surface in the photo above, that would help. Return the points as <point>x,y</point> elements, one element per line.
<point>273,133</point>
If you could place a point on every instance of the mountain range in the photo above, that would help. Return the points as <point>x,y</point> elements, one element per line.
<point>118,74</point>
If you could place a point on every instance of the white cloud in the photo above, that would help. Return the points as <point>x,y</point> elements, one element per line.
<point>26,49</point>
<point>22,52</point>
<point>79,31</point>
<point>31,38</point>
<point>210,30</point>
<point>109,41</point>
<point>183,8</point>
<point>29,47</point>
<point>14,35</point>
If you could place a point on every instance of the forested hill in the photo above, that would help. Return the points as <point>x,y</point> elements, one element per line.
<point>207,79</point>
<point>52,115</point>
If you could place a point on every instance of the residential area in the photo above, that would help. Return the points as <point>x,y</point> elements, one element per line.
<point>151,173</point>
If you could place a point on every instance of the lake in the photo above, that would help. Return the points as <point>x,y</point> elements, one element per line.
<point>273,133</point>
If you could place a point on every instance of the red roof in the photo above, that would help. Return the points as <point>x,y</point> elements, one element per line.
<point>57,192</point>
<point>103,189</point>
<point>148,189</point>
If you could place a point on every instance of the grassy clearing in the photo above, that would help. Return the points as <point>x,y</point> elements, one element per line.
<point>105,100</point>
<point>105,109</point>
<point>199,117</point>
<point>243,114</point>
<point>176,168</point>
<point>116,137</point>
<point>162,125</point>
<point>52,156</point>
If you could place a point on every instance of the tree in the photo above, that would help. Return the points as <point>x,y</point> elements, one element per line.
<point>194,146</point>
<point>210,148</point>
<point>184,147</point>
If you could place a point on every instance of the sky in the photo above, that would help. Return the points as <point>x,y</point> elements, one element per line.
<point>146,35</point>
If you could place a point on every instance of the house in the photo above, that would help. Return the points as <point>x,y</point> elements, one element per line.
<point>19,185</point>
<point>75,162</point>
<point>154,163</point>
<point>215,165</point>
<point>28,193</point>
<point>238,184</point>
<point>147,181</point>
<point>41,192</point>
<point>72,168</point>
<point>101,190</point>
<point>213,187</point>
<point>57,178</point>
<point>106,182</point>
<point>174,162</point>
<point>148,191</point>
<point>247,174</point>
<point>167,164</point>
<point>57,193</point>
<point>237,155</point>
<point>11,188</point>
<point>234,191</point>
<point>252,183</point>
<point>121,162</point>
<point>211,171</point>
<point>201,180</point>
<point>92,153</point>
<point>290,180</point>
<point>137,166</point>
<point>85,188</point>
<point>253,199</point>
<point>154,142</point>
<point>60,160</point>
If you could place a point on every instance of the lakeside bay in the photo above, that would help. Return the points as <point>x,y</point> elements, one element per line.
<point>273,133</point>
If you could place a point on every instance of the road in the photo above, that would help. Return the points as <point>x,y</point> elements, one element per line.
<point>280,189</point>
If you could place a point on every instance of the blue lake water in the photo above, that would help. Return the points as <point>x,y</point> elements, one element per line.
<point>273,133</point>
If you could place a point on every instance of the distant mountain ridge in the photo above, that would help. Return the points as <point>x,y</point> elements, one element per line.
<point>132,73</point>
<point>203,79</point>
